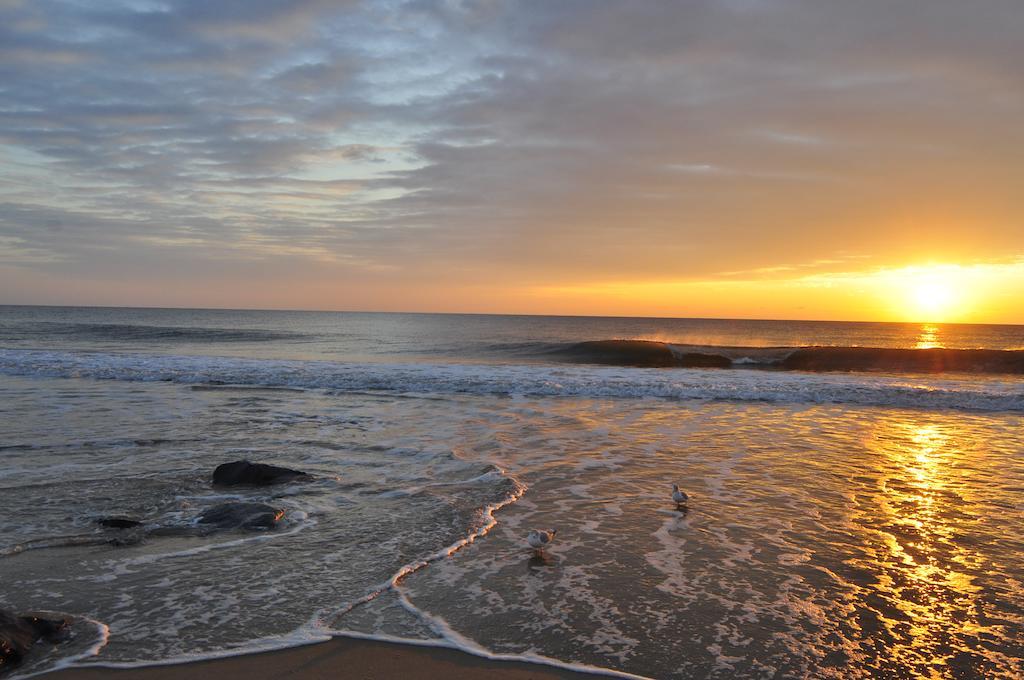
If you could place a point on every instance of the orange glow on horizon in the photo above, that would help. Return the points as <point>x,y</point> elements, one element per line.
<point>928,294</point>
<point>934,293</point>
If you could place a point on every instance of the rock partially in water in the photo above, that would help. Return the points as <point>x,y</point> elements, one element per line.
<point>254,474</point>
<point>118,523</point>
<point>18,634</point>
<point>122,530</point>
<point>242,516</point>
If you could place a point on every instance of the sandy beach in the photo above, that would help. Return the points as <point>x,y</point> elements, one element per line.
<point>338,658</point>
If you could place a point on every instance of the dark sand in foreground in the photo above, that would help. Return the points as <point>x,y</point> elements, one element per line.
<point>337,658</point>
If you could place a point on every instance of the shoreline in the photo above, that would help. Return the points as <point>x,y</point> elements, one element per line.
<point>339,657</point>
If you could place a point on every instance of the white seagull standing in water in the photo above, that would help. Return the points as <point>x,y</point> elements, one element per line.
<point>679,497</point>
<point>538,540</point>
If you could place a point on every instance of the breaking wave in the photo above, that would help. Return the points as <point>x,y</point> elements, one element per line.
<point>647,353</point>
<point>923,392</point>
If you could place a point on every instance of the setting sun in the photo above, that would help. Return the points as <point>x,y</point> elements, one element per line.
<point>931,298</point>
<point>933,293</point>
<point>944,293</point>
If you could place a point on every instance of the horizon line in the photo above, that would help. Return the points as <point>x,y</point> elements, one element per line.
<point>554,316</point>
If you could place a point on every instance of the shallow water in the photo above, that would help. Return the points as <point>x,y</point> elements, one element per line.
<point>841,525</point>
<point>827,540</point>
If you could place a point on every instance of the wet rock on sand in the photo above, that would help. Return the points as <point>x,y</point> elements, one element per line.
<point>118,523</point>
<point>228,516</point>
<point>122,530</point>
<point>19,633</point>
<point>254,474</point>
<point>242,516</point>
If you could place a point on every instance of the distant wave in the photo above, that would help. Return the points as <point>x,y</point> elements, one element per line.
<point>144,333</point>
<point>639,353</point>
<point>933,360</point>
<point>933,392</point>
<point>652,354</point>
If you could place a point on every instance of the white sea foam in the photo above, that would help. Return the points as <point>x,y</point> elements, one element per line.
<point>308,634</point>
<point>119,567</point>
<point>392,583</point>
<point>924,392</point>
<point>447,636</point>
<point>452,638</point>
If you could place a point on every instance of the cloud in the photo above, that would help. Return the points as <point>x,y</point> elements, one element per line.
<point>531,143</point>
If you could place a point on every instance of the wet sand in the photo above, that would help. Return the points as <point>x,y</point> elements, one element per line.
<point>338,658</point>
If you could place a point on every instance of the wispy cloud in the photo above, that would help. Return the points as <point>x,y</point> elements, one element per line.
<point>533,142</point>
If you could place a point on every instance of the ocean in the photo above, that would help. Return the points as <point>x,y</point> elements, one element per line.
<point>856,490</point>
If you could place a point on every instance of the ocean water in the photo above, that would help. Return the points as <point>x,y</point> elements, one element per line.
<point>866,521</point>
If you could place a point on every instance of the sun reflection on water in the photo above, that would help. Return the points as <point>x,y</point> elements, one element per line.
<point>931,603</point>
<point>929,337</point>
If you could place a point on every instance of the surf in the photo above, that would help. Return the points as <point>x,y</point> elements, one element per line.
<point>657,354</point>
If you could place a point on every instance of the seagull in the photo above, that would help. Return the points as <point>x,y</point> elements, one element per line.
<point>679,497</point>
<point>539,539</point>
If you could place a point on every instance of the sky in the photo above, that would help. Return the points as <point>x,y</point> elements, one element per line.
<point>808,159</point>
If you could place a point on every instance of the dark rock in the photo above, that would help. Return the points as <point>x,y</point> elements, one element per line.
<point>254,474</point>
<point>118,523</point>
<point>242,516</point>
<point>19,633</point>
